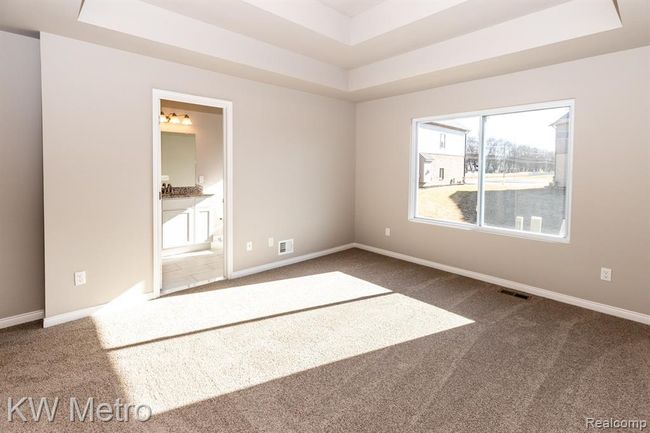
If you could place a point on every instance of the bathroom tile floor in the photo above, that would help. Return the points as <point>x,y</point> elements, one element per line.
<point>183,271</point>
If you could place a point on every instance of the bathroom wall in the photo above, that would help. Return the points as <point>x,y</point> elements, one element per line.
<point>21,176</point>
<point>207,126</point>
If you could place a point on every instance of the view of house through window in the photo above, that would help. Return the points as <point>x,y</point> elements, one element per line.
<point>505,170</point>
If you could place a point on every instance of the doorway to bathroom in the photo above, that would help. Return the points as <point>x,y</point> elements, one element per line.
<point>192,172</point>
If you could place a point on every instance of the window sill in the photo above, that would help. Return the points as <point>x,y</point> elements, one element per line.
<point>493,230</point>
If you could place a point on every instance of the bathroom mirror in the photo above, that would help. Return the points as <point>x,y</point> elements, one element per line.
<point>178,158</point>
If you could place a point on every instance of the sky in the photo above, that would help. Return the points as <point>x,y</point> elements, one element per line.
<point>530,128</point>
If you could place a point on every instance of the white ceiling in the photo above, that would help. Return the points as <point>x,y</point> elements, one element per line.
<point>332,43</point>
<point>351,8</point>
<point>354,49</point>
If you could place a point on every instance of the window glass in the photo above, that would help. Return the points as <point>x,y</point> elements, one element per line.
<point>448,169</point>
<point>499,169</point>
<point>525,170</point>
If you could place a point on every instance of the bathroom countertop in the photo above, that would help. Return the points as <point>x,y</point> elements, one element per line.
<point>177,196</point>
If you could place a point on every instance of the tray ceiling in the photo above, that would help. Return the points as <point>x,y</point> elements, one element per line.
<point>356,49</point>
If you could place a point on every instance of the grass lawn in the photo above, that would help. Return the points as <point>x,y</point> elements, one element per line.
<point>505,199</point>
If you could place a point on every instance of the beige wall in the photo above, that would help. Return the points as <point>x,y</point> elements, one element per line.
<point>610,214</point>
<point>21,176</point>
<point>293,167</point>
<point>295,151</point>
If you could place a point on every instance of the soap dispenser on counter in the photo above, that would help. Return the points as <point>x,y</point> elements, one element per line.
<point>166,189</point>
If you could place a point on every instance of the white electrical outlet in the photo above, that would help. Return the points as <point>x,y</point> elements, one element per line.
<point>80,278</point>
<point>387,231</point>
<point>605,274</point>
<point>249,246</point>
<point>271,242</point>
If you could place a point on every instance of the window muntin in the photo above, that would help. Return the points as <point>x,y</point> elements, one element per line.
<point>504,170</point>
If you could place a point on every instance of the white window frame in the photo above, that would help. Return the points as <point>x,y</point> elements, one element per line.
<point>478,226</point>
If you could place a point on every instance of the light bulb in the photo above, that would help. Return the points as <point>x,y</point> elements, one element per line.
<point>186,120</point>
<point>163,118</point>
<point>174,119</point>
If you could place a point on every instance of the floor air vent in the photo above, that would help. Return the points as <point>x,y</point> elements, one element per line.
<point>515,294</point>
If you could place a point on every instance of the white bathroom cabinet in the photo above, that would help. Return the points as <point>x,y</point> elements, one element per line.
<point>189,223</point>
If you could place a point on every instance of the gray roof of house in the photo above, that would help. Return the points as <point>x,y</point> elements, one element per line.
<point>451,128</point>
<point>431,156</point>
<point>561,120</point>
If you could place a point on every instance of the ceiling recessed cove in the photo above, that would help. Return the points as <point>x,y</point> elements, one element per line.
<point>365,19</point>
<point>320,43</point>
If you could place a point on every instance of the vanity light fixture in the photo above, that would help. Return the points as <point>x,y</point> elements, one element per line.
<point>176,119</point>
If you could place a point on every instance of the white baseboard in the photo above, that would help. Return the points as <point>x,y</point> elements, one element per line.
<point>164,292</point>
<point>90,311</point>
<point>69,317</point>
<point>584,303</point>
<point>590,305</point>
<point>86,312</point>
<point>19,319</point>
<point>290,261</point>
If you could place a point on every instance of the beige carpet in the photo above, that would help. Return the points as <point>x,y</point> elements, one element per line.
<point>352,342</point>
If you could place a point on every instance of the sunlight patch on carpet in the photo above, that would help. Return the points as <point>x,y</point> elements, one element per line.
<point>186,369</point>
<point>192,312</point>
